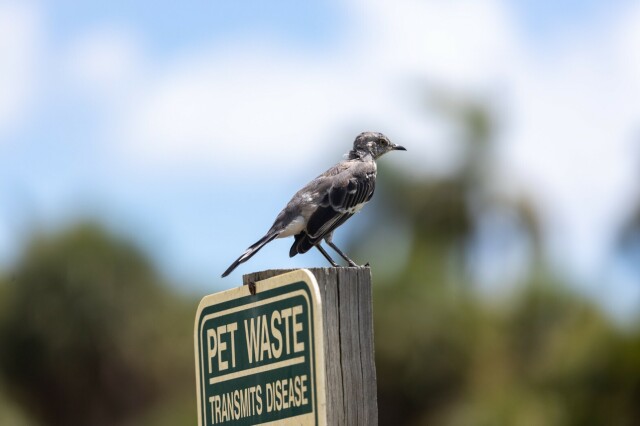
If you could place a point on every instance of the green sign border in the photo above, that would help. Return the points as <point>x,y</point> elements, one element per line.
<point>278,286</point>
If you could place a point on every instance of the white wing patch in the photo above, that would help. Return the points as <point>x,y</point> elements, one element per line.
<point>355,209</point>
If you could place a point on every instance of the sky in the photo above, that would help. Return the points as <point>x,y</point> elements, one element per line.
<point>188,125</point>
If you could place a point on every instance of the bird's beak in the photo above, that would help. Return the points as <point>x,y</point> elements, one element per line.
<point>399,148</point>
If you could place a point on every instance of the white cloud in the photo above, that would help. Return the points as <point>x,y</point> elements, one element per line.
<point>212,111</point>
<point>104,63</point>
<point>233,108</point>
<point>626,43</point>
<point>20,45</point>
<point>463,44</point>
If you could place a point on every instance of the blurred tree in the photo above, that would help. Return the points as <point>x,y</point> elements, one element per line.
<point>448,355</point>
<point>10,412</point>
<point>90,336</point>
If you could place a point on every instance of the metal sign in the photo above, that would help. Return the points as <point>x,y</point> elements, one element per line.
<point>260,358</point>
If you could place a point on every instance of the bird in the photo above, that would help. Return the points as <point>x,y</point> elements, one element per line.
<point>325,203</point>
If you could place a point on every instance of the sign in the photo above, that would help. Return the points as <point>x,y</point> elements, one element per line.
<point>260,358</point>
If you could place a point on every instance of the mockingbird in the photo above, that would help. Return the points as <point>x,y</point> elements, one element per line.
<point>328,201</point>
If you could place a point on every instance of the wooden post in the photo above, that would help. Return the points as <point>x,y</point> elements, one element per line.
<point>348,341</point>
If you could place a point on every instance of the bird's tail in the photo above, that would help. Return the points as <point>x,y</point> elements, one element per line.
<point>251,251</point>
<point>301,244</point>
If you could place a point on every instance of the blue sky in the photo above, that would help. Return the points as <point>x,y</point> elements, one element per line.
<point>156,118</point>
<point>172,26</point>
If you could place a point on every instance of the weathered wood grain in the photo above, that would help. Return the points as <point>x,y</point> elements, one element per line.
<point>348,342</point>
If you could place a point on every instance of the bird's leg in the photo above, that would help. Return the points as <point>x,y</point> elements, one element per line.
<point>344,256</point>
<point>325,254</point>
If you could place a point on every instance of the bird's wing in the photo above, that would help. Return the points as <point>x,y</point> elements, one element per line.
<point>343,198</point>
<point>306,200</point>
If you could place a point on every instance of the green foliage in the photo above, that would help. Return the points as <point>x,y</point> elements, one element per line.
<point>89,335</point>
<point>446,355</point>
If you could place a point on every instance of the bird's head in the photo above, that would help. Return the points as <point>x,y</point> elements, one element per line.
<point>373,143</point>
